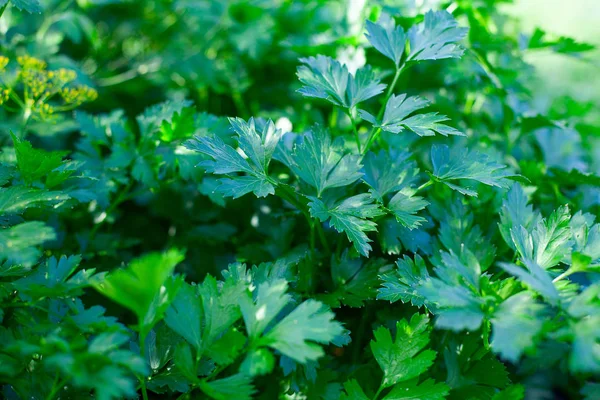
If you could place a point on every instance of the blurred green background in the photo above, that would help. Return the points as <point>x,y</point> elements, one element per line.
<point>559,75</point>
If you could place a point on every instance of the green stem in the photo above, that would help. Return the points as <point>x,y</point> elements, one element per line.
<point>2,9</point>
<point>322,237</point>
<point>423,186</point>
<point>121,197</point>
<point>56,386</point>
<point>356,136</point>
<point>378,391</point>
<point>568,272</point>
<point>26,117</point>
<point>286,193</point>
<point>390,91</point>
<point>486,335</point>
<point>143,354</point>
<point>312,238</point>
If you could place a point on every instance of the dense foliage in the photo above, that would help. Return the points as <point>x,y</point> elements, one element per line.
<point>292,199</point>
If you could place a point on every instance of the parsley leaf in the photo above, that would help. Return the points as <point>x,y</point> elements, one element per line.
<point>17,199</point>
<point>145,287</point>
<point>257,140</point>
<point>326,78</point>
<point>31,6</point>
<point>435,38</point>
<point>18,244</point>
<point>184,315</point>
<point>387,38</point>
<point>321,162</point>
<point>462,164</point>
<point>294,335</point>
<point>516,323</point>
<point>350,216</point>
<point>388,171</point>
<point>397,117</point>
<point>404,358</point>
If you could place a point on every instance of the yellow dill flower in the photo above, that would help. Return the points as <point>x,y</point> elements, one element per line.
<point>78,95</point>
<point>3,62</point>
<point>4,95</point>
<point>28,62</point>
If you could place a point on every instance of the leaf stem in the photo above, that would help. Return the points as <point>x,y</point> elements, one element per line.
<point>375,131</point>
<point>56,386</point>
<point>312,238</point>
<point>143,354</point>
<point>121,197</point>
<point>3,8</point>
<point>378,391</point>
<point>356,136</point>
<point>568,272</point>
<point>425,185</point>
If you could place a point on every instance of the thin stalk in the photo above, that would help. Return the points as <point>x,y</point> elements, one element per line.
<point>425,185</point>
<point>2,9</point>
<point>56,386</point>
<point>390,91</point>
<point>568,272</point>
<point>322,237</point>
<point>312,238</point>
<point>143,354</point>
<point>287,194</point>
<point>378,391</point>
<point>26,117</point>
<point>356,136</point>
<point>486,335</point>
<point>121,197</point>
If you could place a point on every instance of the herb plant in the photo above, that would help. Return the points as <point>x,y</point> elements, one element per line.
<point>289,200</point>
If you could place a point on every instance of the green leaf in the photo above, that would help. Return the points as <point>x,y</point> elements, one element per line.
<point>561,44</point>
<point>350,216</point>
<point>17,199</point>
<point>257,140</point>
<point>454,295</point>
<point>535,277</point>
<point>31,6</point>
<point>405,207</point>
<point>271,298</point>
<point>145,287</point>
<point>355,281</point>
<point>320,162</point>
<point>427,390</point>
<point>388,172</point>
<point>237,386</point>
<point>258,362</point>
<point>220,306</point>
<point>55,278</point>
<point>401,284</point>
<point>513,392</point>
<point>404,358</point>
<point>353,391</point>
<point>299,333</point>
<point>462,164</point>
<point>326,78</point>
<point>590,390</point>
<point>548,242</point>
<point>185,316</point>
<point>184,362</point>
<point>435,38</point>
<point>33,163</point>
<point>225,349</point>
<point>18,244</point>
<point>397,117</point>
<point>515,325</point>
<point>173,119</point>
<point>515,211</point>
<point>387,38</point>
